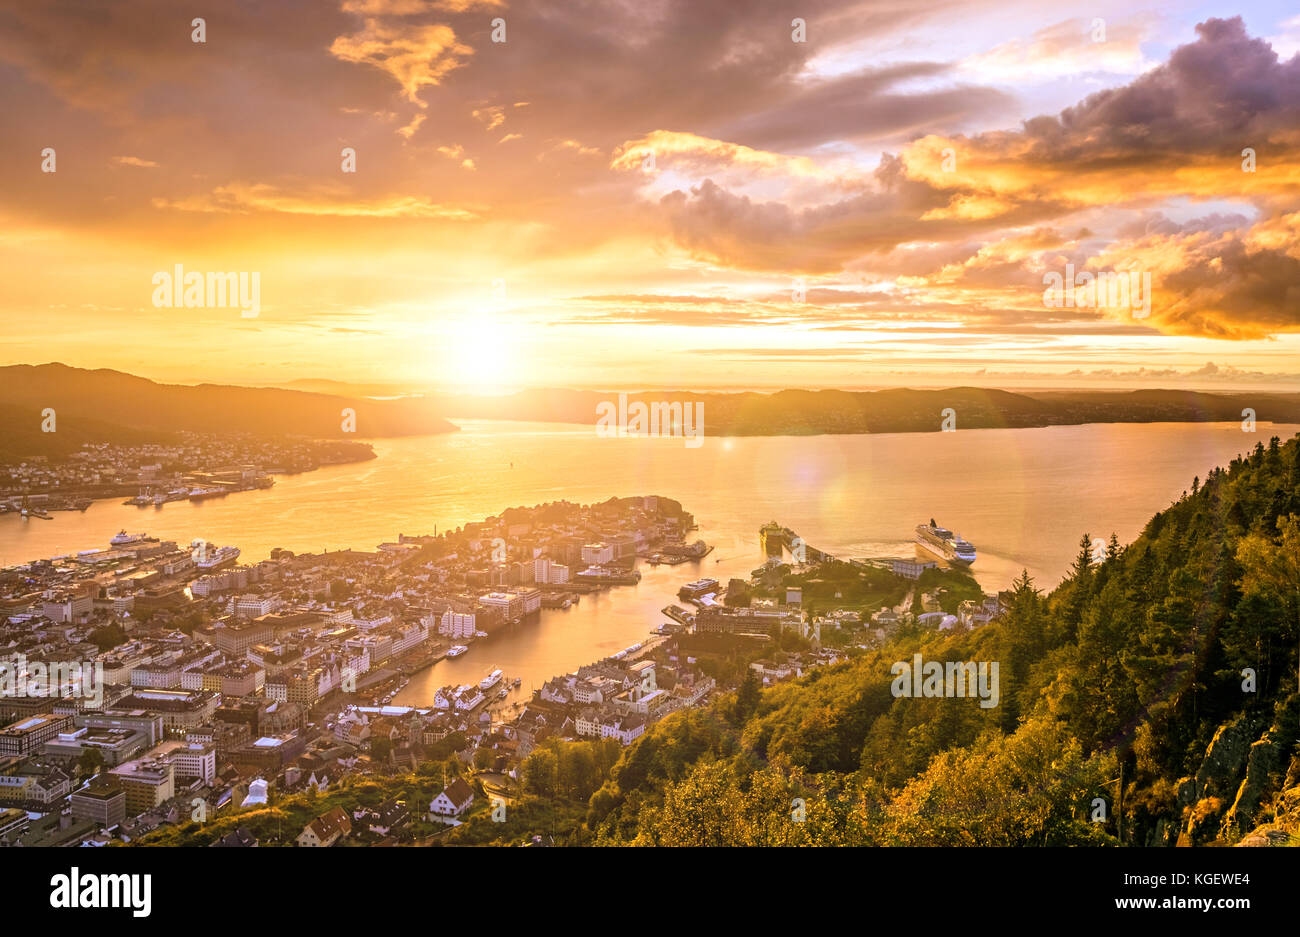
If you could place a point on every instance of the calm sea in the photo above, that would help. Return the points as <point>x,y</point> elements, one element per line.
<point>1022,496</point>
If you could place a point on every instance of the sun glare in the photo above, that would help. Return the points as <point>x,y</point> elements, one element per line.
<point>476,355</point>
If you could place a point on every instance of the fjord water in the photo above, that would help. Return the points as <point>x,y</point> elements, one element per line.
<point>1022,496</point>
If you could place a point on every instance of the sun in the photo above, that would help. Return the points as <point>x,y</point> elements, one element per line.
<point>476,354</point>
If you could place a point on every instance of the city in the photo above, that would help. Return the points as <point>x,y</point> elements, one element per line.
<point>219,685</point>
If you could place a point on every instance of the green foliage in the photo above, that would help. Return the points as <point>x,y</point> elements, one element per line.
<point>107,637</point>
<point>1128,666</point>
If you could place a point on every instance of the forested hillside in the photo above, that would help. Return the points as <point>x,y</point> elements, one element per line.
<point>1149,699</point>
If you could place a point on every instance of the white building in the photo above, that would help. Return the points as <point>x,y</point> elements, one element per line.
<point>254,606</point>
<point>510,603</point>
<point>598,554</point>
<point>458,624</point>
<point>549,572</point>
<point>196,760</point>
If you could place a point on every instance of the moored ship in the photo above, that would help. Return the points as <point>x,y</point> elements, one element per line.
<point>202,494</point>
<point>943,543</point>
<point>490,680</point>
<point>216,559</point>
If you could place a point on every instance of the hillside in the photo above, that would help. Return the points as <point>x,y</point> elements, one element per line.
<point>21,435</point>
<point>810,412</point>
<point>106,405</point>
<point>1160,683</point>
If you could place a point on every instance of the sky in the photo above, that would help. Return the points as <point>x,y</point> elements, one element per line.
<point>663,193</point>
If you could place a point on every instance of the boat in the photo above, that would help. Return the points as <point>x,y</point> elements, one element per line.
<point>516,681</point>
<point>458,650</point>
<point>216,559</point>
<point>122,538</point>
<point>199,494</point>
<point>505,691</point>
<point>480,634</point>
<point>943,543</point>
<point>490,680</point>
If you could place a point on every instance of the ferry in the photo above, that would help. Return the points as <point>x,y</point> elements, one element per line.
<point>490,680</point>
<point>122,538</point>
<point>458,650</point>
<point>943,543</point>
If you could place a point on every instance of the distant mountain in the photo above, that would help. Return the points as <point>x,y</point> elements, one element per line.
<point>110,405</point>
<point>105,405</point>
<point>809,412</point>
<point>21,434</point>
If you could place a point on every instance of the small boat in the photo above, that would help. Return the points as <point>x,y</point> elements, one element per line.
<point>458,650</point>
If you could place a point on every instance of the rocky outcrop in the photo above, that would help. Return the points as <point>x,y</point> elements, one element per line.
<point>1217,776</point>
<point>1215,785</point>
<point>1285,828</point>
<point>1261,762</point>
<point>1268,835</point>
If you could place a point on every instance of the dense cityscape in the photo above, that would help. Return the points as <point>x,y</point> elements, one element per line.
<point>195,467</point>
<point>192,685</point>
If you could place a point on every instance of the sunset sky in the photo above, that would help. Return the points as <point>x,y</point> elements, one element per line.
<point>507,227</point>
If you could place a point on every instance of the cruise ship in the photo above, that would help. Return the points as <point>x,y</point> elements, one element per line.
<point>458,650</point>
<point>945,544</point>
<point>122,538</point>
<point>216,559</point>
<point>490,680</point>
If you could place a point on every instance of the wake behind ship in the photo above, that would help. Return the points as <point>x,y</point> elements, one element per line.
<point>943,543</point>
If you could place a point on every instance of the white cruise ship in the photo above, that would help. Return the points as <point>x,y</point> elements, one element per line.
<point>490,680</point>
<point>943,543</point>
<point>122,538</point>
<point>216,559</point>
